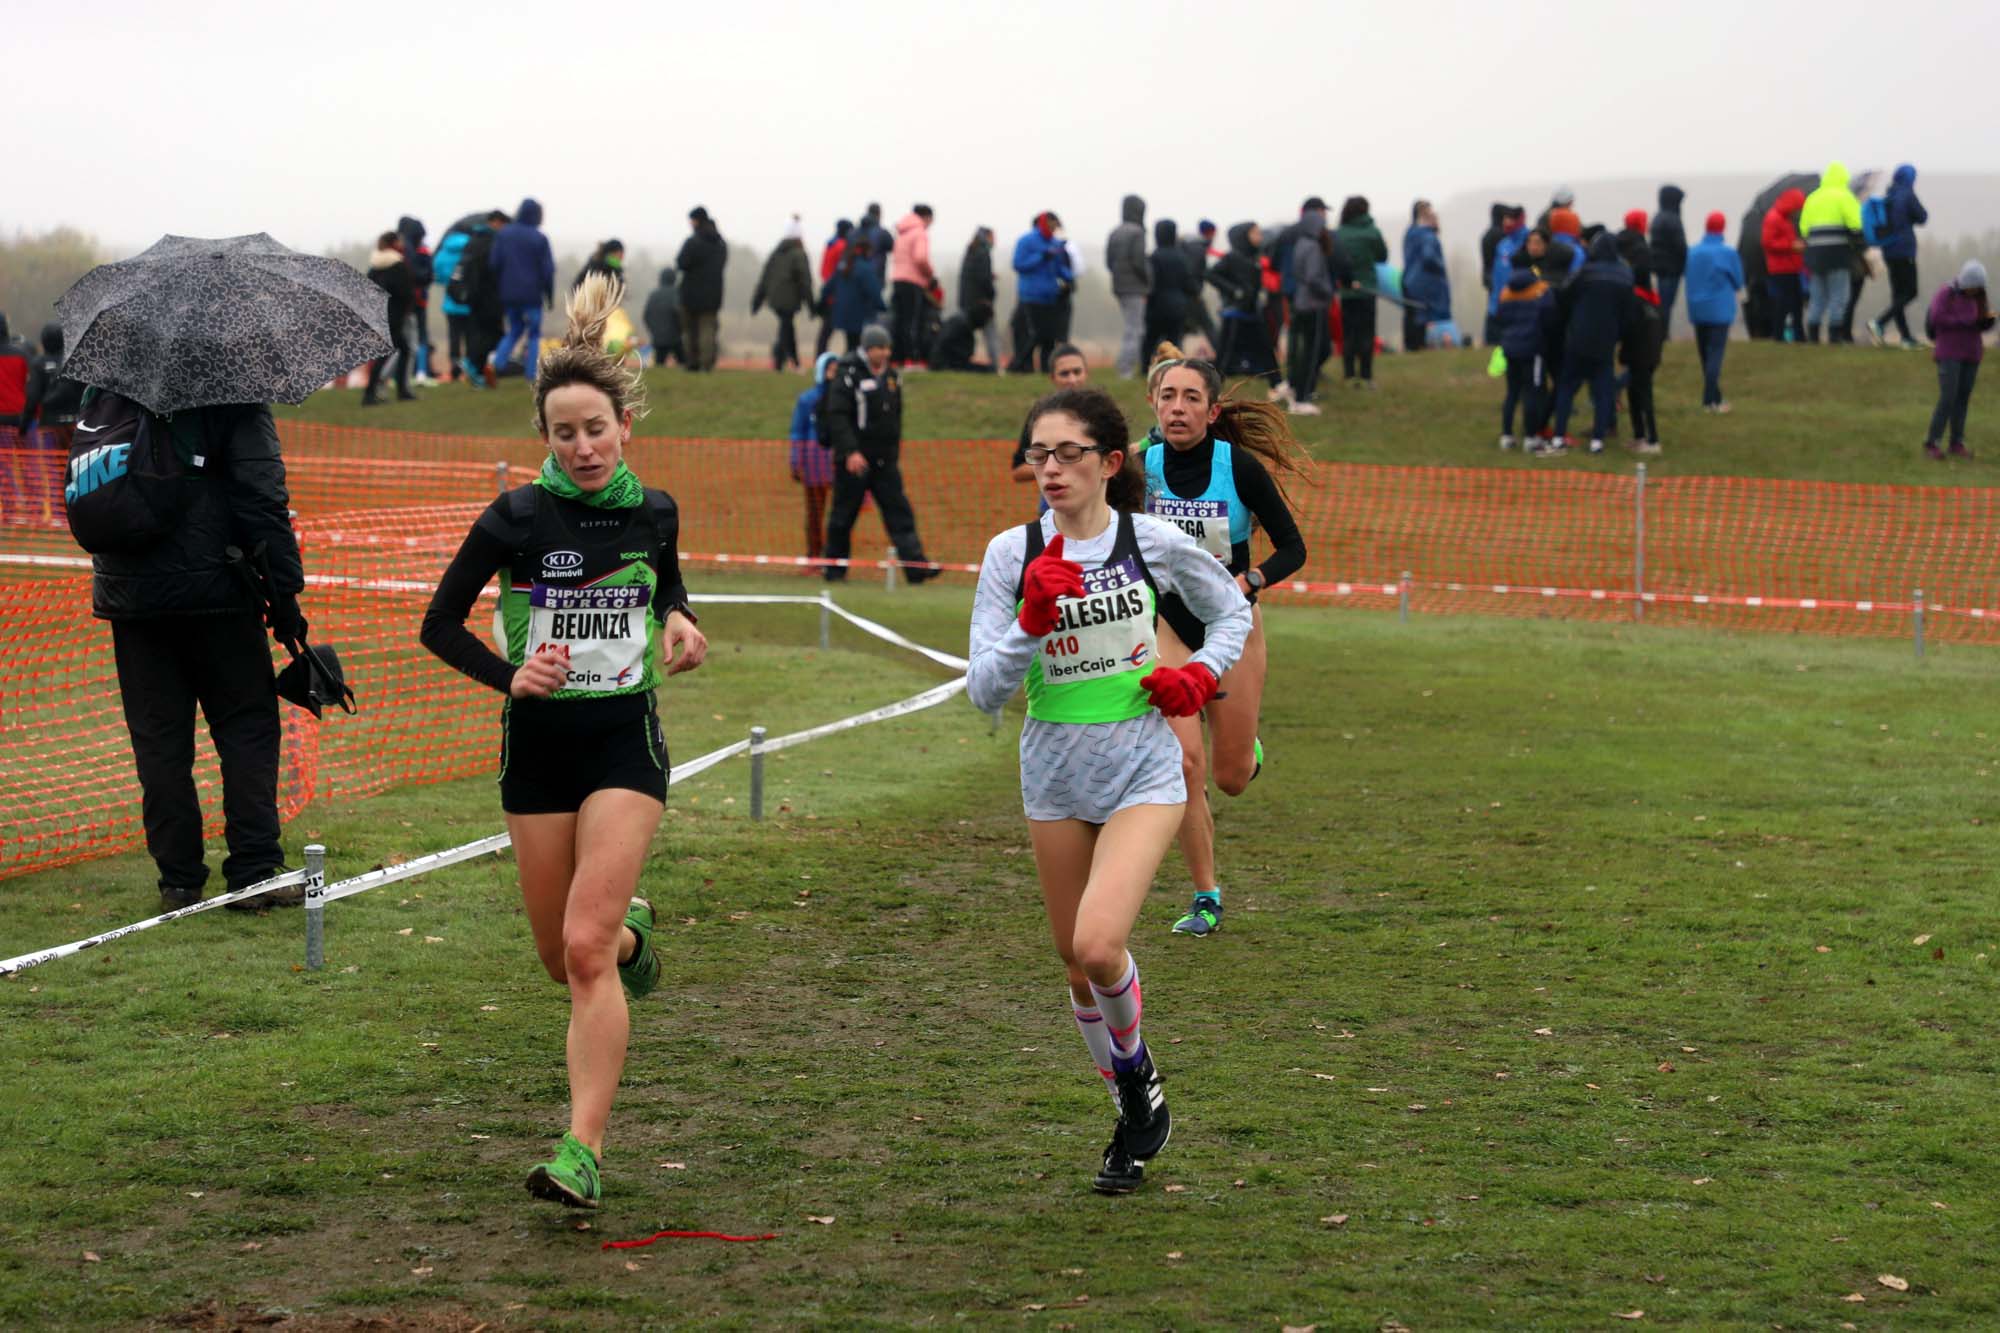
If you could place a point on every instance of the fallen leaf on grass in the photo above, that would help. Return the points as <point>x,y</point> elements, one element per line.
<point>1628,1314</point>
<point>580,1226</point>
<point>673,1166</point>
<point>1237,1184</point>
<point>1173,1254</point>
<point>482,1136</point>
<point>1704,1180</point>
<point>407,930</point>
<point>631,1267</point>
<point>489,1008</point>
<point>194,1194</point>
<point>1688,1050</point>
<point>1666,1066</point>
<point>1176,1189</point>
<point>425,1271</point>
<point>1936,1204</point>
<point>247,1246</point>
<point>1593,1087</point>
<point>1821,948</point>
<point>433,939</point>
<point>1335,1220</point>
<point>1855,1298</point>
<point>1299,1328</point>
<point>1545,1032</point>
<point>1921,939</point>
<point>1076,1304</point>
<point>1418,1106</point>
<point>90,1257</point>
<point>1894,1283</point>
<point>823,1221</point>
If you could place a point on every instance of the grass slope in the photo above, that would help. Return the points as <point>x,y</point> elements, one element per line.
<point>1833,414</point>
<point>1572,986</point>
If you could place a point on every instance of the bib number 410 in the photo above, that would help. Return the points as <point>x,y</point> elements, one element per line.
<point>1063,645</point>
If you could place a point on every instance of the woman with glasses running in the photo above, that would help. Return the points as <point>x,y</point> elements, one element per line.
<point>1212,475</point>
<point>1066,606</point>
<point>589,577</point>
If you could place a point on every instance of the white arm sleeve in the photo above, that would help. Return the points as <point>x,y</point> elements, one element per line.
<point>1000,649</point>
<point>1205,584</point>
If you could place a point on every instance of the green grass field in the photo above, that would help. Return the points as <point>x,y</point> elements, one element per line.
<point>1570,971</point>
<point>1853,414</point>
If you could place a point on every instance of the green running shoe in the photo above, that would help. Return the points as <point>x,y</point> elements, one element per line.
<point>642,973</point>
<point>571,1179</point>
<point>1204,918</point>
<point>1258,754</point>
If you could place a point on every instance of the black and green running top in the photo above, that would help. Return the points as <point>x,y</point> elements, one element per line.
<point>593,584</point>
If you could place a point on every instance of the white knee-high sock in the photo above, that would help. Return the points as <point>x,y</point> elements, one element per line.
<point>1120,1005</point>
<point>1090,1022</point>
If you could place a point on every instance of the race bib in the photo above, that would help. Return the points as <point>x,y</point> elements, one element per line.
<point>1105,632</point>
<point>599,631</point>
<point>1207,521</point>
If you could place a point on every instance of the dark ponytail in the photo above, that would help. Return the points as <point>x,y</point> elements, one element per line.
<point>1104,425</point>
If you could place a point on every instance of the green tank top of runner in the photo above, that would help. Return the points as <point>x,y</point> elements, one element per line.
<point>583,586</point>
<point>1090,664</point>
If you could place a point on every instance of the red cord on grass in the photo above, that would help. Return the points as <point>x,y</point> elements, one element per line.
<point>681,1235</point>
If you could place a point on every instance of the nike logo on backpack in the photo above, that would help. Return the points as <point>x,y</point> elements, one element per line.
<point>92,430</point>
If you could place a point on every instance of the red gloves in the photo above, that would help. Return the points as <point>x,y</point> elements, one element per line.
<point>1180,691</point>
<point>1047,577</point>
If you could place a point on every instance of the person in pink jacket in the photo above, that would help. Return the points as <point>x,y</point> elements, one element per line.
<point>910,268</point>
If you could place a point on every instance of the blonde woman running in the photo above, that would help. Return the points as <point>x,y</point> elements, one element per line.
<point>589,578</point>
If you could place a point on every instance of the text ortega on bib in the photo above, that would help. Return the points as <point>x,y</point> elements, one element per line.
<point>1106,631</point>
<point>601,631</point>
<point>1207,521</point>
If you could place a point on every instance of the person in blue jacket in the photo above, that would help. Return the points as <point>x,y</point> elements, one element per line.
<point>1902,214</point>
<point>1426,283</point>
<point>457,314</point>
<point>1714,276</point>
<point>1041,263</point>
<point>525,269</point>
<point>857,295</point>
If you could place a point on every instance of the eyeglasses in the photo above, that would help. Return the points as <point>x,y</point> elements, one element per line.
<point>1036,455</point>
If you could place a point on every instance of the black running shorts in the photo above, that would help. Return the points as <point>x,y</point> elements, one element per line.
<point>554,753</point>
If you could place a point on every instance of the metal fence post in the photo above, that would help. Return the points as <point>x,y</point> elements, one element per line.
<point>1918,598</point>
<point>315,906</point>
<point>1639,546</point>
<point>1403,596</point>
<point>825,621</point>
<point>889,574</point>
<point>757,735</point>
<point>500,475</point>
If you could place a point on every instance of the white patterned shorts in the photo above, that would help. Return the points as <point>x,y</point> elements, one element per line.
<point>1092,770</point>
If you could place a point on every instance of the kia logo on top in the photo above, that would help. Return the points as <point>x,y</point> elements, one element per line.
<point>556,563</point>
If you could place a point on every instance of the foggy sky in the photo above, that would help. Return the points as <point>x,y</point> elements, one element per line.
<point>320,123</point>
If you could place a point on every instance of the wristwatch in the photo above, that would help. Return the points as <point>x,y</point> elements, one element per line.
<point>1255,578</point>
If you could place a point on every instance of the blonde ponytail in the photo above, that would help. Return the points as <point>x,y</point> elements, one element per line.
<point>581,357</point>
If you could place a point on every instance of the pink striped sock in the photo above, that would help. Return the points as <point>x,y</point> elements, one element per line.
<point>1121,1006</point>
<point>1090,1022</point>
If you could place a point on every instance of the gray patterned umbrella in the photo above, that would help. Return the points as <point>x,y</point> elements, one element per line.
<point>194,322</point>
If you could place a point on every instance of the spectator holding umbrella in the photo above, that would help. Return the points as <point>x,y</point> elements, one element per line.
<point>1714,277</point>
<point>186,629</point>
<point>524,268</point>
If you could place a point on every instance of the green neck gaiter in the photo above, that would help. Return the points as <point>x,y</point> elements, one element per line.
<point>623,491</point>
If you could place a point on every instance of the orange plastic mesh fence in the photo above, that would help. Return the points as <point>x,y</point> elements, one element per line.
<point>380,513</point>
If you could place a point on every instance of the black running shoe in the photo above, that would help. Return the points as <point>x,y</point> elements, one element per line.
<point>1142,1106</point>
<point>1121,1172</point>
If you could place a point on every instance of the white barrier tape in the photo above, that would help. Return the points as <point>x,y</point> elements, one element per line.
<point>888,635</point>
<point>417,865</point>
<point>27,960</point>
<point>930,698</point>
<point>682,772</point>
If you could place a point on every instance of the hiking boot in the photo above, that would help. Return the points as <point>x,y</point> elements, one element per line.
<point>1142,1109</point>
<point>1121,1172</point>
<point>641,973</point>
<point>1204,918</point>
<point>1958,450</point>
<point>292,895</point>
<point>571,1179</point>
<point>1932,452</point>
<point>173,900</point>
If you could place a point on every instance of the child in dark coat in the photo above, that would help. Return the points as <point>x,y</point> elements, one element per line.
<point>1640,351</point>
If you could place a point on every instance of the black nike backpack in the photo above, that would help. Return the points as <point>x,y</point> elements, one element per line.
<point>127,485</point>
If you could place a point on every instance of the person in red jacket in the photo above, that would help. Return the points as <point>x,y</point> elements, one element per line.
<point>1785,265</point>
